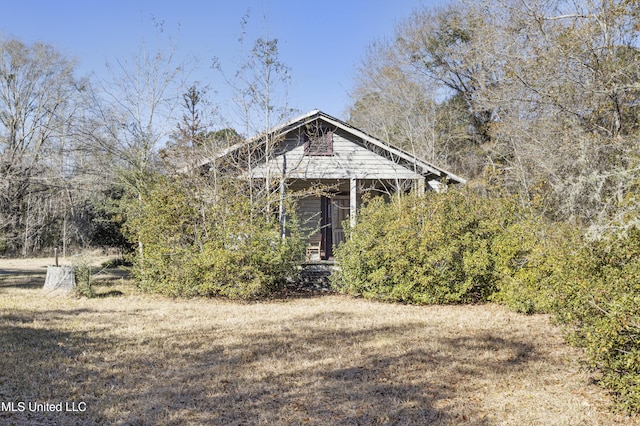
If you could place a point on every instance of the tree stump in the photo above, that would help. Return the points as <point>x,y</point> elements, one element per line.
<point>59,280</point>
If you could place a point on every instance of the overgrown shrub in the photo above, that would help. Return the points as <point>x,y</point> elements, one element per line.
<point>82,272</point>
<point>435,248</point>
<point>210,243</point>
<point>599,301</point>
<point>530,256</point>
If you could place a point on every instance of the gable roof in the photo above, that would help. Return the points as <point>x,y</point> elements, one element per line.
<point>398,155</point>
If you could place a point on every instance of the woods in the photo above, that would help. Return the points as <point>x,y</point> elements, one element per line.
<point>538,97</point>
<point>37,86</point>
<point>74,149</point>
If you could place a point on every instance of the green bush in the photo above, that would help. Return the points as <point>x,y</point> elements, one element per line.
<point>82,273</point>
<point>435,248</point>
<point>530,256</point>
<point>599,302</point>
<point>214,243</point>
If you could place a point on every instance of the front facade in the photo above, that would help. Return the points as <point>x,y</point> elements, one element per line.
<point>329,165</point>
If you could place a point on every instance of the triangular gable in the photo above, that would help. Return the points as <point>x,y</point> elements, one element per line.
<point>386,161</point>
<point>348,158</point>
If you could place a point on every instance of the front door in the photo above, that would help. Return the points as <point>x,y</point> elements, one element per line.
<point>334,213</point>
<point>326,230</point>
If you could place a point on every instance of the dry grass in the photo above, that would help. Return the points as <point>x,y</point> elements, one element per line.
<point>136,359</point>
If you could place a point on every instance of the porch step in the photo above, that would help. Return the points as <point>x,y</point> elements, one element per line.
<point>315,277</point>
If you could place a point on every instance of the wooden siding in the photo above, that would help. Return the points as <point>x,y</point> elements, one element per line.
<point>350,159</point>
<point>309,214</point>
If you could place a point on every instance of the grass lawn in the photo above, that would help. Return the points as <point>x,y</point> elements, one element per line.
<point>127,358</point>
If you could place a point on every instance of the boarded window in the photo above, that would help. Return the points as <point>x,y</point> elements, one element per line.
<point>318,141</point>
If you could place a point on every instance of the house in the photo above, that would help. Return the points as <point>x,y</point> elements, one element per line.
<point>330,165</point>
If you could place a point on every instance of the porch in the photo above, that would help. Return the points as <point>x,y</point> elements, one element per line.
<point>328,207</point>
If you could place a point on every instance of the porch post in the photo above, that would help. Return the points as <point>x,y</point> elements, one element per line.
<point>422,185</point>
<point>353,199</point>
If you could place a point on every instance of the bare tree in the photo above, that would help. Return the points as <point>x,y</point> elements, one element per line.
<point>542,96</point>
<point>129,113</point>
<point>392,104</point>
<point>260,88</point>
<point>567,102</point>
<point>37,89</point>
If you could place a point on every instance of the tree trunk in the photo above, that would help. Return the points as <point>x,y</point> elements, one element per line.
<point>59,280</point>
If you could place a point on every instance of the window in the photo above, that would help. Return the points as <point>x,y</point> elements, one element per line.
<point>318,141</point>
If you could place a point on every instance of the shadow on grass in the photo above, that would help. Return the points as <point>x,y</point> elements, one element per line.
<point>308,373</point>
<point>38,366</point>
<point>110,293</point>
<point>513,353</point>
<point>24,279</point>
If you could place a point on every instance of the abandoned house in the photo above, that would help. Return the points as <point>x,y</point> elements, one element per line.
<point>331,164</point>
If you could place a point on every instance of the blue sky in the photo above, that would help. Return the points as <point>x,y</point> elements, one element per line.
<point>321,42</point>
